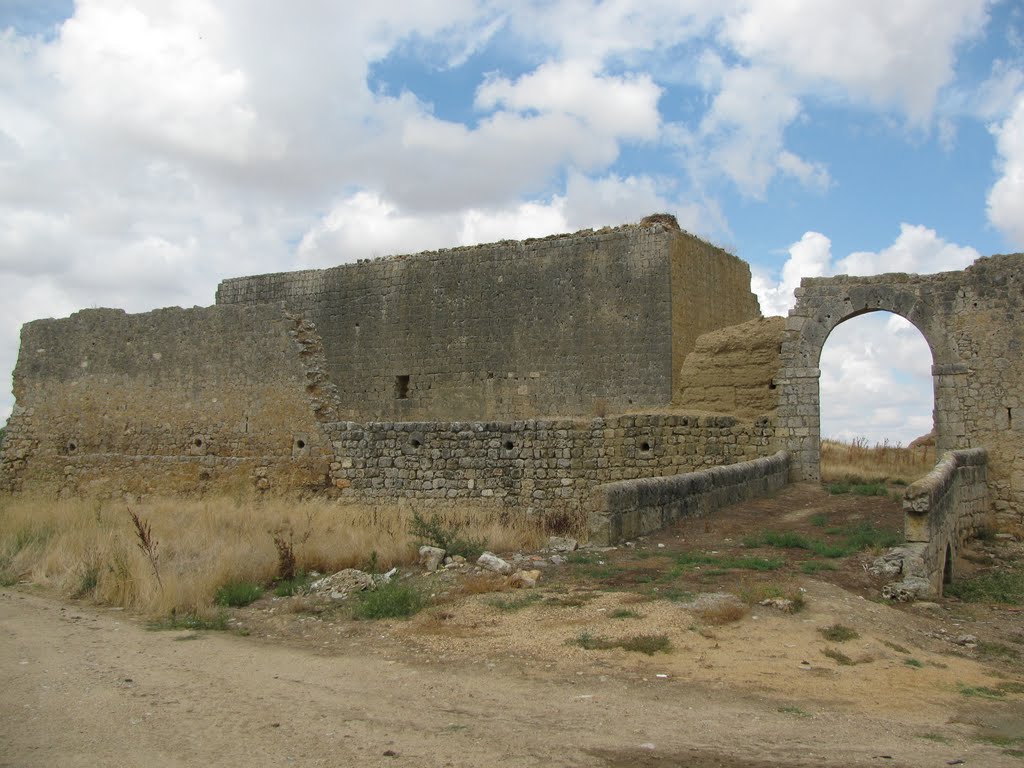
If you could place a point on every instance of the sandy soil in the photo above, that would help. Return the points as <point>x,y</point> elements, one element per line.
<point>467,683</point>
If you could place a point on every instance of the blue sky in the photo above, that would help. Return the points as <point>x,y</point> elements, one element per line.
<point>149,149</point>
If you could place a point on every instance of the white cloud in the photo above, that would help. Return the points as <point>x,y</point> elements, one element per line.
<point>918,249</point>
<point>876,380</point>
<point>811,256</point>
<point>887,54</point>
<point>625,107</point>
<point>1006,198</point>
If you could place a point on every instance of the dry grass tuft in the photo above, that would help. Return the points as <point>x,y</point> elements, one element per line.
<point>721,613</point>
<point>857,462</point>
<point>92,548</point>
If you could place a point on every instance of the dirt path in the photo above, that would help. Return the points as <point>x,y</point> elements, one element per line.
<point>85,687</point>
<point>475,682</point>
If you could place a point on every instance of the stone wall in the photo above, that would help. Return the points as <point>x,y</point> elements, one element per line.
<point>168,401</point>
<point>544,466</point>
<point>631,508</point>
<point>946,508</point>
<point>972,322</point>
<point>571,325</point>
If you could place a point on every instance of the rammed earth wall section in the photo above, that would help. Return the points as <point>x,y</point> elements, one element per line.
<point>972,321</point>
<point>541,466</point>
<point>169,401</point>
<point>571,325</point>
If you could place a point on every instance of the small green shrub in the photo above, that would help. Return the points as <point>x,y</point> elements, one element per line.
<point>647,644</point>
<point>624,613</point>
<point>439,532</point>
<point>839,657</point>
<point>238,594</point>
<point>913,663</point>
<point>390,601</point>
<point>838,633</point>
<point>510,605</point>
<point>295,586</point>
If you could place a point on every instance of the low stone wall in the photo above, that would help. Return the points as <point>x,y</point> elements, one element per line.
<point>944,509</point>
<point>624,510</point>
<point>539,466</point>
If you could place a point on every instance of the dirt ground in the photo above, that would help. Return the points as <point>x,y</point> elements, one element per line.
<point>500,678</point>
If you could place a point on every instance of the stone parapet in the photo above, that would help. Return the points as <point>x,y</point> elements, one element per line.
<point>631,508</point>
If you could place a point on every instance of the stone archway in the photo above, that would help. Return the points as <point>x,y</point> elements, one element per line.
<point>823,304</point>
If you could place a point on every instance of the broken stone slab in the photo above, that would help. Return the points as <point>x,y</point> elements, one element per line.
<point>562,544</point>
<point>524,579</point>
<point>338,586</point>
<point>492,562</point>
<point>431,557</point>
<point>908,590</point>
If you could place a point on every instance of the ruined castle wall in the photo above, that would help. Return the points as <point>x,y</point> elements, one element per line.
<point>972,323</point>
<point>570,325</point>
<point>547,466</point>
<point>170,401</point>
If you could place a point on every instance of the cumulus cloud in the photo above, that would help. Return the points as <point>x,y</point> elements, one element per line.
<point>1006,198</point>
<point>892,59</point>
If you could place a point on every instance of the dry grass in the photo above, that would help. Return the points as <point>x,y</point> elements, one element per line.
<point>857,462</point>
<point>721,613</point>
<point>89,548</point>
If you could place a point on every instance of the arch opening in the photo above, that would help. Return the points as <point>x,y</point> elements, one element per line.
<point>876,400</point>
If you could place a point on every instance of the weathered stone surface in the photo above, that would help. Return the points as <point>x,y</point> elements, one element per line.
<point>908,590</point>
<point>524,579</point>
<point>562,544</point>
<point>492,562</point>
<point>431,557</point>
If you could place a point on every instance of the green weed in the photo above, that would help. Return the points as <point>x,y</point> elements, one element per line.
<point>624,613</point>
<point>390,601</point>
<point>913,663</point>
<point>839,657</point>
<point>237,594</point>
<point>294,586</point>
<point>999,587</point>
<point>857,489</point>
<point>838,633</point>
<point>510,605</point>
<point>792,710</point>
<point>647,644</point>
<point>437,531</point>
